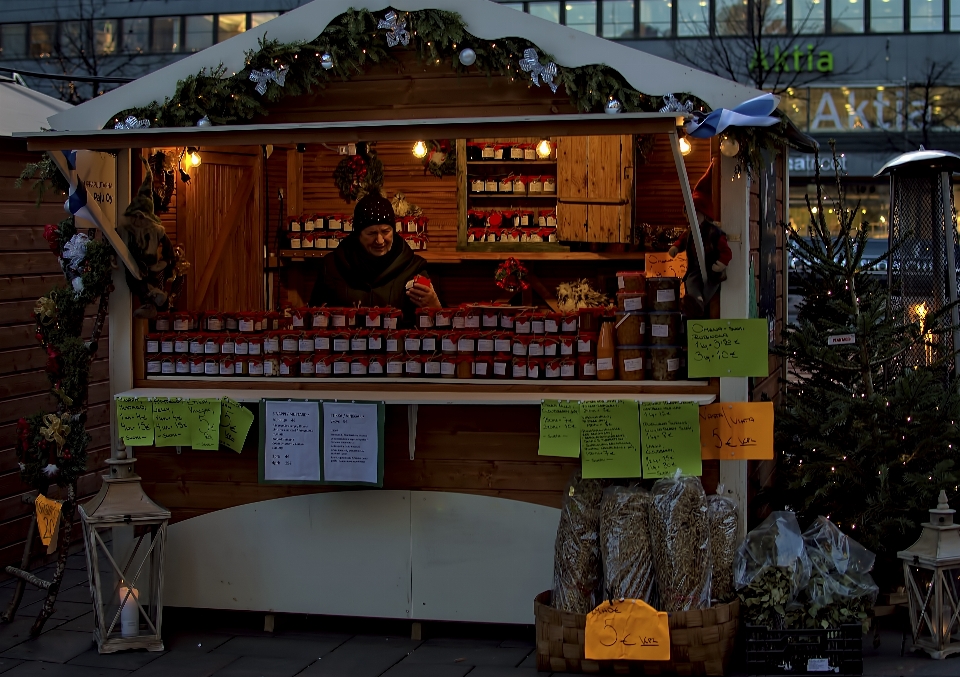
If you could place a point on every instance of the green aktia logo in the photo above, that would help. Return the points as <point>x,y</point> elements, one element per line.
<point>793,60</point>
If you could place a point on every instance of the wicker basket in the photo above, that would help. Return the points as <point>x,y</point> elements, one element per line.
<point>701,642</point>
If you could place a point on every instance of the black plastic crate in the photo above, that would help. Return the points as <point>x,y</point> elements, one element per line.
<point>837,652</point>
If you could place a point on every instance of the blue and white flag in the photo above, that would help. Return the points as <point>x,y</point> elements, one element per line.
<point>753,113</point>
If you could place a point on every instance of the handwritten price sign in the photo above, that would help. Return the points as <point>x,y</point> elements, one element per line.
<point>727,348</point>
<point>629,629</point>
<point>661,264</point>
<point>737,431</point>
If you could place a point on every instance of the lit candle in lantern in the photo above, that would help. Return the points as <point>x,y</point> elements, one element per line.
<point>129,614</point>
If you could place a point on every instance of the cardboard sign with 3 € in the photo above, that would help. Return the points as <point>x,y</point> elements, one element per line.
<point>628,629</point>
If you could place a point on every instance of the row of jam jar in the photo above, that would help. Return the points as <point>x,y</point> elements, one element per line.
<point>517,185</point>
<point>393,365</point>
<point>519,320</point>
<point>482,150</point>
<point>365,341</point>
<point>307,223</point>
<point>511,218</point>
<point>299,318</point>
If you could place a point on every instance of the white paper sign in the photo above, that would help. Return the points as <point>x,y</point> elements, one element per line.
<point>292,444</point>
<point>350,442</point>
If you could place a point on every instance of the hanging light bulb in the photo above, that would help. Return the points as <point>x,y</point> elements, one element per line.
<point>729,147</point>
<point>420,150</point>
<point>544,149</point>
<point>194,156</point>
<point>685,146</point>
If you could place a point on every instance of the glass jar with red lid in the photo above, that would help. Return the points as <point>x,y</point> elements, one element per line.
<point>502,365</point>
<point>213,321</point>
<point>587,343</point>
<point>308,364</point>
<point>490,318</point>
<point>395,364</point>
<point>587,365</point>
<point>391,318</point>
<point>523,323</point>
<point>519,368</point>
<point>411,342</point>
<point>320,318</point>
<point>211,344</point>
<point>551,369</point>
<point>373,319</point>
<point>483,365</point>
<point>254,366</point>
<point>153,364</point>
<point>538,323</point>
<point>226,365</point>
<point>467,342</point>
<point>358,340</point>
<point>444,318</point>
<point>486,342</point>
<point>152,344</point>
<point>520,345</point>
<point>211,366</point>
<point>432,366</point>
<point>341,365</point>
<point>359,365</point>
<point>162,322</point>
<point>534,368</point>
<point>425,318</point>
<point>393,341</point>
<point>377,364</point>
<point>182,365</point>
<point>240,366</point>
<point>340,342</point>
<point>271,365</point>
<point>413,367</point>
<point>375,341</point>
<point>323,366</point>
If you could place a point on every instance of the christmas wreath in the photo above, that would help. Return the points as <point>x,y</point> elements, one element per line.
<point>511,276</point>
<point>359,174</point>
<point>441,158</point>
<point>52,446</point>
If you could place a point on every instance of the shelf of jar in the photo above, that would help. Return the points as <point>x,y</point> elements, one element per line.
<point>514,196</point>
<point>423,390</point>
<point>500,255</point>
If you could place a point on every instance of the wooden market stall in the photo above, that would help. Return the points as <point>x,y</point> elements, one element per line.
<point>463,527</point>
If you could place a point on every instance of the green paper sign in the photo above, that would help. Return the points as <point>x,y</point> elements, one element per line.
<point>727,348</point>
<point>560,428</point>
<point>135,421</point>
<point>204,423</point>
<point>671,438</point>
<point>235,422</point>
<point>610,438</point>
<point>171,420</point>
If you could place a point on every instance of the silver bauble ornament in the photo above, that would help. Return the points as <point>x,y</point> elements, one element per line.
<point>613,107</point>
<point>326,61</point>
<point>204,122</point>
<point>468,57</point>
<point>729,147</point>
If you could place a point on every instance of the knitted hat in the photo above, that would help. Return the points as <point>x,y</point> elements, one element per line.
<point>142,204</point>
<point>372,210</point>
<point>703,194</point>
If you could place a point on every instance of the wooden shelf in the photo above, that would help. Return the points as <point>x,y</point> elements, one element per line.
<point>459,256</point>
<point>527,163</point>
<point>509,196</point>
<point>422,390</point>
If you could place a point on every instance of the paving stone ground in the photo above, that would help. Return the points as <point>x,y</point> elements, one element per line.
<point>203,643</point>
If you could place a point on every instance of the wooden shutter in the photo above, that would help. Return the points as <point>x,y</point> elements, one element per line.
<point>594,188</point>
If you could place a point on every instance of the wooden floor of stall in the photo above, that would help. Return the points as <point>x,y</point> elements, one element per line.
<point>29,270</point>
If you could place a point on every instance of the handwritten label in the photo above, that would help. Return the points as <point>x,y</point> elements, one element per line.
<point>610,438</point>
<point>351,442</point>
<point>235,422</point>
<point>842,340</point>
<point>728,348</point>
<point>291,447</point>
<point>135,421</point>
<point>171,421</point>
<point>559,428</point>
<point>671,438</point>
<point>48,521</point>
<point>660,264</point>
<point>204,423</point>
<point>737,431</point>
<point>628,629</point>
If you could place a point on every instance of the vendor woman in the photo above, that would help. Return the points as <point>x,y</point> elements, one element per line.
<point>372,266</point>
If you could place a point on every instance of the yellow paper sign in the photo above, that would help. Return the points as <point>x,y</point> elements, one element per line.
<point>737,431</point>
<point>48,521</point>
<point>660,264</point>
<point>629,629</point>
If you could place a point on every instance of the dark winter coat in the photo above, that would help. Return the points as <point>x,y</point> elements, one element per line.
<point>352,277</point>
<point>715,248</point>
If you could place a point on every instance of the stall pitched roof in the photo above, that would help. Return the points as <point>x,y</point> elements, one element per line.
<point>24,110</point>
<point>649,74</point>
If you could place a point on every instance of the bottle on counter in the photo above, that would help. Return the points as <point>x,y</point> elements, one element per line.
<point>606,351</point>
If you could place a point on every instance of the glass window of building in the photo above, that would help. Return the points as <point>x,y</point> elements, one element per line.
<point>773,15</point>
<point>13,40</point>
<point>199,33</point>
<point>732,17</point>
<point>513,5</point>
<point>808,16</point>
<point>546,10</point>
<point>655,18</point>
<point>693,17</point>
<point>257,18</point>
<point>886,16</point>
<point>136,35</point>
<point>618,19</point>
<point>43,37</point>
<point>229,25</point>
<point>846,16</point>
<point>926,16</point>
<point>582,15</point>
<point>873,196</point>
<point>106,35</point>
<point>166,34</point>
<point>73,38</point>
<point>955,15</point>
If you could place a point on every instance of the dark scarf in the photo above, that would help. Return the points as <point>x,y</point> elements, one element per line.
<point>361,269</point>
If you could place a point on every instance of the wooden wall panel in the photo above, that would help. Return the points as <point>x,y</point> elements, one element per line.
<point>659,201</point>
<point>28,270</point>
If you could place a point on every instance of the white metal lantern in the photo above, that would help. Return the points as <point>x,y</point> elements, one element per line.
<point>124,532</point>
<point>931,571</point>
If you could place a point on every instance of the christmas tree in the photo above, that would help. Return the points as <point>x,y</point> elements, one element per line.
<point>862,437</point>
